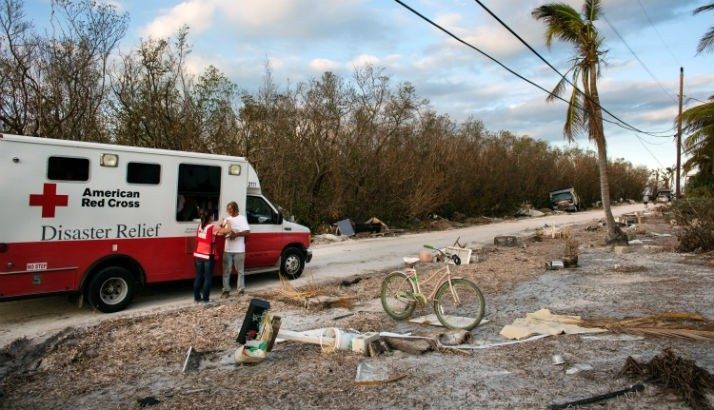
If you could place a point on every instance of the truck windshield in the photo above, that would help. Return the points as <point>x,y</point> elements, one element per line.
<point>563,196</point>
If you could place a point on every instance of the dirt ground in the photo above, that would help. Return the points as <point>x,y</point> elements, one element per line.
<point>119,362</point>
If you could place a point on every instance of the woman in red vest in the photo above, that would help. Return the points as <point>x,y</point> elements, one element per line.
<point>204,257</point>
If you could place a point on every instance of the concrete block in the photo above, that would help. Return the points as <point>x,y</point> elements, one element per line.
<point>505,240</point>
<point>360,343</point>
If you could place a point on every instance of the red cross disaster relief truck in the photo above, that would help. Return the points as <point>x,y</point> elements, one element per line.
<point>100,219</point>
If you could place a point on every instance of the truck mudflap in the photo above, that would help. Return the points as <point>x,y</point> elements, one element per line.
<point>308,255</point>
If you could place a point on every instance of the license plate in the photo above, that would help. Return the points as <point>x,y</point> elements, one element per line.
<point>37,266</point>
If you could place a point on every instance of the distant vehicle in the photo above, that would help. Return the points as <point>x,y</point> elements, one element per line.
<point>664,196</point>
<point>565,199</point>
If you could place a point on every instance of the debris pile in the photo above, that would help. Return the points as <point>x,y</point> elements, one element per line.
<point>674,373</point>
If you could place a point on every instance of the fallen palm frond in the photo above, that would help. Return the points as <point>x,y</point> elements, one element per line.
<point>308,291</point>
<point>312,296</point>
<point>672,372</point>
<point>668,324</point>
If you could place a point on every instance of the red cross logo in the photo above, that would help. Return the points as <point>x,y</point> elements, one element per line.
<point>48,200</point>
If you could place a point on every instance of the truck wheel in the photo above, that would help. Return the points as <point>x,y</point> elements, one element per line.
<point>292,263</point>
<point>111,290</point>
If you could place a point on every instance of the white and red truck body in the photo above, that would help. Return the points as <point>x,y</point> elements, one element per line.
<point>71,210</point>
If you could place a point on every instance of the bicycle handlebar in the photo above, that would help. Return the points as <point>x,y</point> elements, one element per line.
<point>434,249</point>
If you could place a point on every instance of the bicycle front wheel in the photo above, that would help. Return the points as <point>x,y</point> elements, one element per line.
<point>459,305</point>
<point>397,295</point>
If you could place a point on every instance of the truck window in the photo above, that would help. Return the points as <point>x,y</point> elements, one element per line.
<point>259,211</point>
<point>199,188</point>
<point>67,169</point>
<point>141,173</point>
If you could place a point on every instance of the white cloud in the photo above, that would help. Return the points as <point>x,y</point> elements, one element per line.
<point>197,14</point>
<point>363,60</point>
<point>323,64</point>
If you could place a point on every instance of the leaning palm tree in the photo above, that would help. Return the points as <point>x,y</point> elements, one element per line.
<point>584,113</point>
<point>707,40</point>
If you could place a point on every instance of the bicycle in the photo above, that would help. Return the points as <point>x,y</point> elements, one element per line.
<point>457,302</point>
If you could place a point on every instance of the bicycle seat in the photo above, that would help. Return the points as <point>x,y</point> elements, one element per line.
<point>410,260</point>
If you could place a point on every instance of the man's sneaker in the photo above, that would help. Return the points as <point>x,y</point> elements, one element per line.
<point>225,294</point>
<point>241,291</point>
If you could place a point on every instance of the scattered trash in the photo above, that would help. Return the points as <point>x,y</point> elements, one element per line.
<point>505,241</point>
<point>432,320</point>
<point>370,374</point>
<point>612,338</point>
<point>464,254</point>
<point>255,351</point>
<point>347,283</point>
<point>343,316</point>
<point>409,344</point>
<point>661,235</point>
<point>257,334</point>
<point>554,265</point>
<point>148,401</point>
<point>456,337</point>
<point>331,339</point>
<point>635,242</point>
<point>192,361</point>
<point>361,342</point>
<point>544,322</point>
<point>344,228</point>
<point>251,322</point>
<point>632,389</point>
<point>558,359</point>
<point>425,256</point>
<point>492,345</point>
<point>619,250</point>
<point>628,268</point>
<point>579,367</point>
<point>683,376</point>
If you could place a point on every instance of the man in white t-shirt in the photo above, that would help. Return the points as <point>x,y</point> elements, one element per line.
<point>235,228</point>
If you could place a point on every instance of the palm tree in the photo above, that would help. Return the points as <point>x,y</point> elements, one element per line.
<point>707,41</point>
<point>698,121</point>
<point>584,112</point>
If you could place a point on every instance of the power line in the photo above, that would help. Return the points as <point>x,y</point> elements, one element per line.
<point>483,53</point>
<point>647,149</point>
<point>507,27</point>
<point>658,34</point>
<point>637,57</point>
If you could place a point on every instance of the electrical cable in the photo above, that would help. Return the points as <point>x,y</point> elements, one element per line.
<point>658,33</point>
<point>625,125</point>
<point>617,33</point>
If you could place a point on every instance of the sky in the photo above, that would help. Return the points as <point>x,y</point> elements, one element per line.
<point>647,41</point>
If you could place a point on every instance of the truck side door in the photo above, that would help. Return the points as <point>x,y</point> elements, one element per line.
<point>266,240</point>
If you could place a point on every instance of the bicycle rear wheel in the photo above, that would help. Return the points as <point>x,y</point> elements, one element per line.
<point>459,306</point>
<point>397,295</point>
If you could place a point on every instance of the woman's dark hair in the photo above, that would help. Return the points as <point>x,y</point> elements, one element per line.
<point>205,217</point>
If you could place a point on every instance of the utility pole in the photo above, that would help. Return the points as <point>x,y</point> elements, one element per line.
<point>679,130</point>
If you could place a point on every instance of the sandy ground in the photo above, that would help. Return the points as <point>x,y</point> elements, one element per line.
<point>118,362</point>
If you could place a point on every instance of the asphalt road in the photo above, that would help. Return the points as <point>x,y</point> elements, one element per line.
<point>43,316</point>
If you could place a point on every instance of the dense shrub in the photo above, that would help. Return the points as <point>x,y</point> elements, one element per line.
<point>696,218</point>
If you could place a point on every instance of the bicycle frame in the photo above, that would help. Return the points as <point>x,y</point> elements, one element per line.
<point>443,274</point>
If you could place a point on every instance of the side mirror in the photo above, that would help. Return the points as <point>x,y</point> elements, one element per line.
<point>280,218</point>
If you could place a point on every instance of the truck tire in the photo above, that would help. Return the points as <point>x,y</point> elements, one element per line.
<point>111,290</point>
<point>292,263</point>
